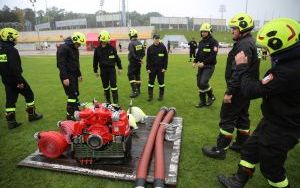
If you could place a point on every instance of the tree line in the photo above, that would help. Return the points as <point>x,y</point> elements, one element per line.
<point>25,20</point>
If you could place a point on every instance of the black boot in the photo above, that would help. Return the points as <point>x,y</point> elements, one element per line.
<point>70,112</point>
<point>150,94</point>
<point>202,102</point>
<point>32,115</point>
<point>161,93</point>
<point>238,180</point>
<point>214,152</point>
<point>134,90</point>
<point>115,96</point>
<point>241,138</point>
<point>219,151</point>
<point>138,88</point>
<point>160,98</point>
<point>107,96</point>
<point>211,98</point>
<point>11,120</point>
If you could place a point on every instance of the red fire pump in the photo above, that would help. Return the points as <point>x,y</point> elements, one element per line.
<point>101,131</point>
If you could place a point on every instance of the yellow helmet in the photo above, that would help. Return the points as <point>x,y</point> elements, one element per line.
<point>9,34</point>
<point>79,38</point>
<point>206,27</point>
<point>278,34</point>
<point>104,36</point>
<point>133,33</point>
<point>242,21</point>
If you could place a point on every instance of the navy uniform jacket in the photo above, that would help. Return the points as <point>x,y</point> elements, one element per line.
<point>280,89</point>
<point>10,63</point>
<point>67,57</point>
<point>136,51</point>
<point>106,57</point>
<point>157,57</point>
<point>246,44</point>
<point>193,45</point>
<point>207,51</point>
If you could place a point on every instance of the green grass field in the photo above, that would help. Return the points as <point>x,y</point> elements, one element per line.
<point>200,125</point>
<point>219,36</point>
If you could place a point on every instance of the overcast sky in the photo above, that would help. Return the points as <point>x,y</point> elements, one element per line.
<point>258,9</point>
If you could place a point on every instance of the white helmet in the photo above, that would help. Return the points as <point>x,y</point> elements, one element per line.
<point>137,113</point>
<point>132,122</point>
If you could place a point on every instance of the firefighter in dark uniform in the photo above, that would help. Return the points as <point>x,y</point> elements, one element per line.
<point>279,129</point>
<point>106,58</point>
<point>14,82</point>
<point>169,47</point>
<point>67,56</point>
<point>145,45</point>
<point>193,47</point>
<point>205,61</point>
<point>135,56</point>
<point>234,110</point>
<point>120,46</point>
<point>157,63</point>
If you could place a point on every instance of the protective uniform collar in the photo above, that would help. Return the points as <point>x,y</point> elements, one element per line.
<point>288,54</point>
<point>106,46</point>
<point>157,44</point>
<point>69,42</point>
<point>6,44</point>
<point>208,37</point>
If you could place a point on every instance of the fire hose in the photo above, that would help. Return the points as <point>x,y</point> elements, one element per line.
<point>159,163</point>
<point>156,136</point>
<point>142,169</point>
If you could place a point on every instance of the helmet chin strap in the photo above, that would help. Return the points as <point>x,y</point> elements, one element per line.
<point>242,35</point>
<point>133,37</point>
<point>205,37</point>
<point>103,44</point>
<point>245,33</point>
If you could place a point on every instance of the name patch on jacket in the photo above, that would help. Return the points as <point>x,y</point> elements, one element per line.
<point>111,56</point>
<point>3,58</point>
<point>206,50</point>
<point>161,55</point>
<point>138,47</point>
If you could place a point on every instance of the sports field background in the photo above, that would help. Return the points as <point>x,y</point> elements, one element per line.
<point>221,36</point>
<point>200,125</point>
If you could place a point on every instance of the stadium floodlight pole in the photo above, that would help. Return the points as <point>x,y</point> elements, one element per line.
<point>47,10</point>
<point>128,16</point>
<point>222,9</point>
<point>123,13</point>
<point>36,22</point>
<point>102,12</point>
